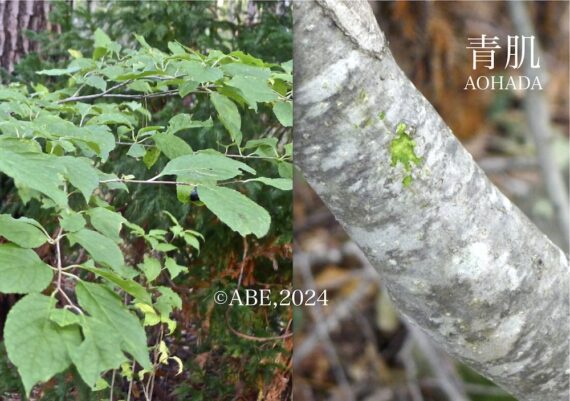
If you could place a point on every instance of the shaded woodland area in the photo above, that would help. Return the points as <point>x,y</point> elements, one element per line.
<point>220,355</point>
<point>358,348</point>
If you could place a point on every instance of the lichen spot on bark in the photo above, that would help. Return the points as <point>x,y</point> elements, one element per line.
<point>402,150</point>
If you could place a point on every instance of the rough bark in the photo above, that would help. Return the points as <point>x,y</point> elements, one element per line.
<point>459,260</point>
<point>15,18</point>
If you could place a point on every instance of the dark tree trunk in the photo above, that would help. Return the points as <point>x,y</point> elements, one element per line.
<point>17,17</point>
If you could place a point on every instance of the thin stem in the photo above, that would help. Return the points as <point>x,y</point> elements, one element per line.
<point>58,254</point>
<point>61,273</point>
<point>108,94</point>
<point>254,157</point>
<point>131,143</point>
<point>112,385</point>
<point>245,248</point>
<point>131,381</point>
<point>156,360</point>
<point>96,95</point>
<point>146,182</point>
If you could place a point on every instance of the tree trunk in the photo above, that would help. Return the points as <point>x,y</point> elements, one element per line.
<point>459,260</point>
<point>16,17</point>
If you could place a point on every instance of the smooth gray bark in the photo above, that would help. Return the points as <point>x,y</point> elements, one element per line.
<point>459,260</point>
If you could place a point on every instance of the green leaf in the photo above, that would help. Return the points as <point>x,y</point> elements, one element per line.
<point>37,346</point>
<point>101,384</point>
<point>229,115</point>
<point>101,136</point>
<point>142,41</point>
<point>101,248</point>
<point>111,119</point>
<point>151,157</point>
<point>266,147</point>
<point>22,271</point>
<point>184,121</point>
<point>285,169</point>
<point>96,82</point>
<point>163,247</point>
<point>205,167</point>
<point>129,286</point>
<point>236,210</point>
<point>173,268</point>
<point>46,177</point>
<point>100,350</point>
<point>140,86</point>
<point>105,306</point>
<point>254,90</point>
<point>22,231</point>
<point>59,71</point>
<point>237,69</point>
<point>171,145</point>
<point>183,193</point>
<point>187,87</point>
<point>287,66</point>
<point>114,183</point>
<point>151,268</point>
<point>167,301</point>
<point>170,296</point>
<point>81,174</point>
<point>72,222</point>
<point>176,48</point>
<point>102,41</point>
<point>64,317</point>
<point>192,241</point>
<point>107,222</point>
<point>136,150</point>
<point>200,72</point>
<point>284,113</point>
<point>285,184</point>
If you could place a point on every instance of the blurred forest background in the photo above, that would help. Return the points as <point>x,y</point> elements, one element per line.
<point>223,356</point>
<point>358,348</point>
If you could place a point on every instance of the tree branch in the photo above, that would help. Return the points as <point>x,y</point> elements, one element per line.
<point>459,260</point>
<point>108,94</point>
<point>105,93</point>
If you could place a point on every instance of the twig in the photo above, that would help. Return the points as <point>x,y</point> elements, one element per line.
<point>131,381</point>
<point>96,95</point>
<point>538,117</point>
<point>505,164</point>
<point>411,370</point>
<point>322,330</point>
<point>61,273</point>
<point>243,260</point>
<point>108,94</point>
<point>112,385</point>
<point>150,385</point>
<point>145,182</point>
<point>441,366</point>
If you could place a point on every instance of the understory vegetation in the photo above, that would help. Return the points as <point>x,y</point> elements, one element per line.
<point>145,163</point>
